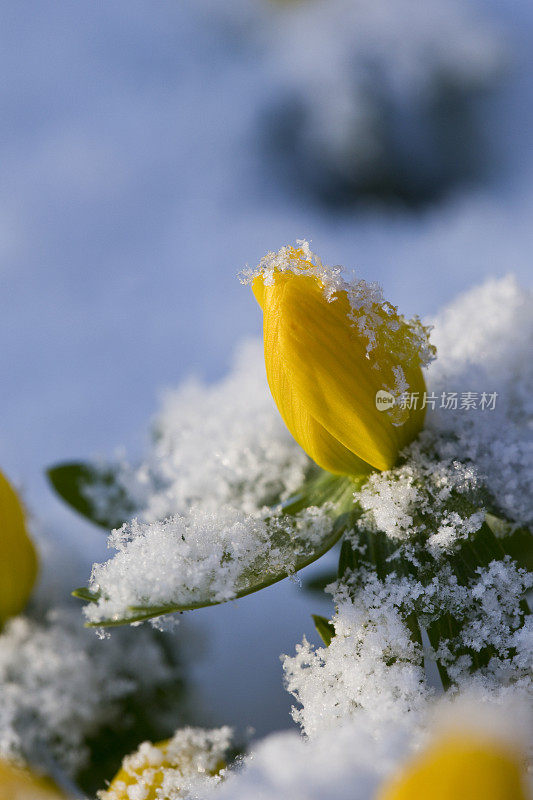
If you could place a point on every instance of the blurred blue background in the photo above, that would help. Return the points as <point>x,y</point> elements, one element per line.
<point>142,168</point>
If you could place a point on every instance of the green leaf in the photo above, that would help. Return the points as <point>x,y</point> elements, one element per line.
<point>324,487</point>
<point>516,541</point>
<point>85,594</point>
<point>93,491</point>
<point>289,546</point>
<point>347,559</point>
<point>376,550</point>
<point>325,629</point>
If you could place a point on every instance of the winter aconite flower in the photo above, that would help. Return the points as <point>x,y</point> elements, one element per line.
<point>177,767</point>
<point>344,367</point>
<point>461,768</point>
<point>18,560</point>
<point>20,784</point>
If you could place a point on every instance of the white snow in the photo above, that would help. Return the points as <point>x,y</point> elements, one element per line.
<point>211,467</point>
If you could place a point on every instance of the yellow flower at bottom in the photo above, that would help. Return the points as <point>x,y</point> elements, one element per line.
<point>331,349</point>
<point>21,784</point>
<point>461,768</point>
<point>18,560</point>
<point>143,769</point>
<point>190,755</point>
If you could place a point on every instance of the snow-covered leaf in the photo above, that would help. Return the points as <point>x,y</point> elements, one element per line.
<point>202,558</point>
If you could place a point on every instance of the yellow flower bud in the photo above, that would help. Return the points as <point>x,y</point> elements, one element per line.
<point>190,753</point>
<point>21,784</point>
<point>18,560</point>
<point>144,768</point>
<point>330,348</point>
<point>461,768</point>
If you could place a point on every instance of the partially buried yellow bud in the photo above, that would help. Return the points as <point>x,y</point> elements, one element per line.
<point>21,784</point>
<point>175,766</point>
<point>344,367</point>
<point>461,768</point>
<point>18,560</point>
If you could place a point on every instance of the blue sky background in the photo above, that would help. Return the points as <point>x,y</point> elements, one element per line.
<point>133,189</point>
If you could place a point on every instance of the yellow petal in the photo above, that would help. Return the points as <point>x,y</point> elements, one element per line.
<point>323,448</point>
<point>461,768</point>
<point>326,451</point>
<point>317,368</point>
<point>21,784</point>
<point>18,560</point>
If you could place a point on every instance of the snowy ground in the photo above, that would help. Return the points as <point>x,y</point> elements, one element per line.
<point>131,195</point>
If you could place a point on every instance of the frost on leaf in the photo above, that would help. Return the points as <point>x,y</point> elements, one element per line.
<point>202,558</point>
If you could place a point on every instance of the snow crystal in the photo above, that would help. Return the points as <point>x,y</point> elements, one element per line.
<point>374,667</point>
<point>372,655</point>
<point>59,685</point>
<point>493,616</point>
<point>422,497</point>
<point>440,488</point>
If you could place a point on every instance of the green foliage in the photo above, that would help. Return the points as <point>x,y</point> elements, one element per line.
<point>93,492</point>
<point>325,629</point>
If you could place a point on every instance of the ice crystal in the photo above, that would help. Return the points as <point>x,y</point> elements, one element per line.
<point>371,655</point>
<point>374,666</point>
<point>422,497</point>
<point>472,459</point>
